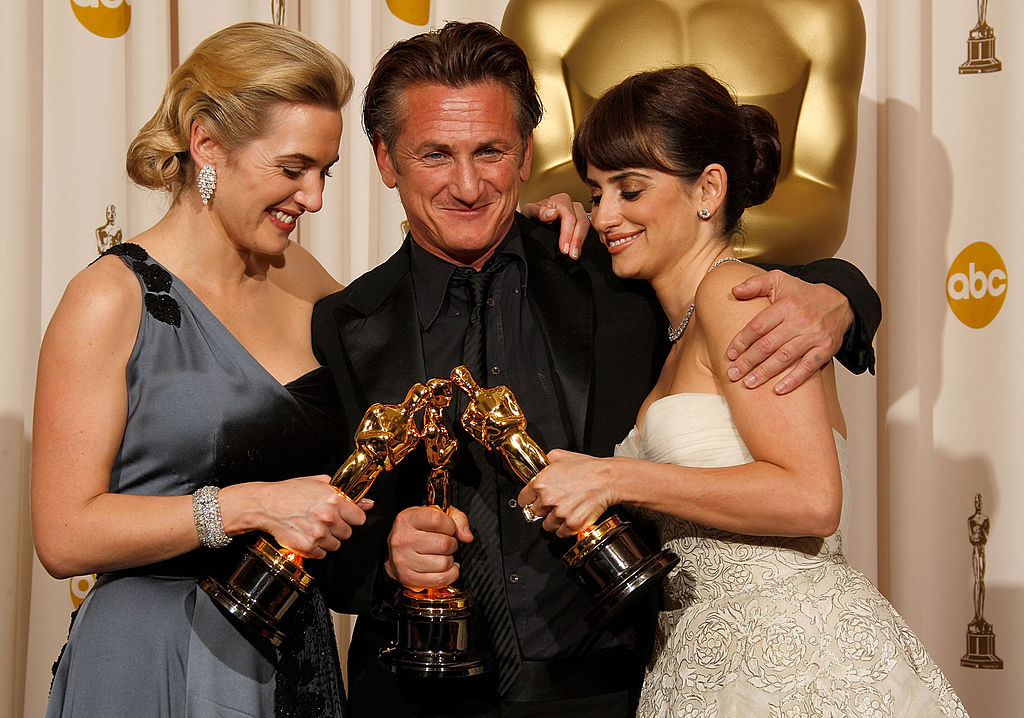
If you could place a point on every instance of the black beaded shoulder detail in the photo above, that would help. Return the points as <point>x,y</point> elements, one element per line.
<point>157,281</point>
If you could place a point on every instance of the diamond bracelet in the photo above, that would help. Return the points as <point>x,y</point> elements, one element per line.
<point>209,524</point>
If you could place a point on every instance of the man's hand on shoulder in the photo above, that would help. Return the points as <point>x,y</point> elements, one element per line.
<point>801,331</point>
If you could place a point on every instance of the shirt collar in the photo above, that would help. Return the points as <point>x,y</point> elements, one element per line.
<point>431,274</point>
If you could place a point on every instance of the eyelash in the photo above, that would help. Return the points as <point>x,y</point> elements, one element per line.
<point>628,196</point>
<point>295,174</point>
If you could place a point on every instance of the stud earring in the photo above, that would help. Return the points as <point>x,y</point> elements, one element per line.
<point>207,182</point>
<point>704,212</point>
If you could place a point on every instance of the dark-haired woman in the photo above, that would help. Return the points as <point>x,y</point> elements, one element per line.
<point>763,616</point>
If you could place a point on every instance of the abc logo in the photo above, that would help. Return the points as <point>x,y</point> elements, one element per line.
<point>976,285</point>
<point>414,12</point>
<point>80,587</point>
<point>106,18</point>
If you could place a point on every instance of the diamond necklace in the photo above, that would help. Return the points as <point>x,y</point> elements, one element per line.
<point>674,332</point>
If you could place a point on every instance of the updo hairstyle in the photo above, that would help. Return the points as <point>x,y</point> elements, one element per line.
<point>230,84</point>
<point>679,120</point>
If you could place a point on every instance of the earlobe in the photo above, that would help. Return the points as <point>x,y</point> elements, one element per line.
<point>388,175</point>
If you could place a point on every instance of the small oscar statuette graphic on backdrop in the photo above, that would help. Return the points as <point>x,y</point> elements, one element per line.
<point>108,234</point>
<point>981,46</point>
<point>981,639</point>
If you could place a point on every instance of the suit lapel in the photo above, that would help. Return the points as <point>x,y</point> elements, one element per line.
<point>379,330</point>
<point>562,300</point>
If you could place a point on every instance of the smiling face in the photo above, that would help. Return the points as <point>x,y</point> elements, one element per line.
<point>458,163</point>
<point>263,188</point>
<point>646,218</point>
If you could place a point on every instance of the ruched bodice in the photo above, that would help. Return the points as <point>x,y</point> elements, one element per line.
<point>697,430</point>
<point>765,625</point>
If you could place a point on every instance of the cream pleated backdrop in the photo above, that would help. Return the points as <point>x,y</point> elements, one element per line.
<point>938,171</point>
<point>951,152</point>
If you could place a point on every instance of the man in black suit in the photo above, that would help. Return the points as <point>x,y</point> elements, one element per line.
<point>450,115</point>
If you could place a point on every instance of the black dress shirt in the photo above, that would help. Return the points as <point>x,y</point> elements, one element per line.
<point>539,588</point>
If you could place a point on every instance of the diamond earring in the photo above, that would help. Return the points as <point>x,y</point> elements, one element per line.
<point>704,212</point>
<point>207,182</point>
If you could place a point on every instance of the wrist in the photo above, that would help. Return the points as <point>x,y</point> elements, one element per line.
<point>848,319</point>
<point>240,508</point>
<point>615,474</point>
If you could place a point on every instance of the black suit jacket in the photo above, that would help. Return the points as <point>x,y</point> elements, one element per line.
<point>606,339</point>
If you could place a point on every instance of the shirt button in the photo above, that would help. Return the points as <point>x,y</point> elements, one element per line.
<point>515,290</point>
<point>514,578</point>
<point>513,504</point>
<point>495,370</point>
<point>490,301</point>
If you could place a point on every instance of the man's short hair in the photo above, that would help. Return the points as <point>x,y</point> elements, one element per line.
<point>458,55</point>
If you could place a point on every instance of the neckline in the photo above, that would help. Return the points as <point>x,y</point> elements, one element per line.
<point>221,326</point>
<point>660,399</point>
<point>639,431</point>
<point>675,331</point>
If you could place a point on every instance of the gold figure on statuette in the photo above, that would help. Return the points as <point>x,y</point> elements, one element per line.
<point>608,559</point>
<point>269,580</point>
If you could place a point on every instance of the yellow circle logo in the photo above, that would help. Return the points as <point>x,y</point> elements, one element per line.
<point>80,587</point>
<point>106,18</point>
<point>414,12</point>
<point>976,285</point>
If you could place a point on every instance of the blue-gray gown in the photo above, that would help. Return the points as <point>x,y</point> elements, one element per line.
<point>201,410</point>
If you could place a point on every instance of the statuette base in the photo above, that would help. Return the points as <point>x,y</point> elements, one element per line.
<point>613,565</point>
<point>433,636</point>
<point>981,648</point>
<point>261,590</point>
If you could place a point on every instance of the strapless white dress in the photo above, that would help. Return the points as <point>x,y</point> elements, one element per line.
<point>769,626</point>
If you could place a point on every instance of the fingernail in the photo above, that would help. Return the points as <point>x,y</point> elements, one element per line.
<point>549,213</point>
<point>780,388</point>
<point>575,253</point>
<point>734,373</point>
<point>732,354</point>
<point>750,381</point>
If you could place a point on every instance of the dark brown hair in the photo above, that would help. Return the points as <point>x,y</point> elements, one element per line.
<point>230,84</point>
<point>679,120</point>
<point>457,55</point>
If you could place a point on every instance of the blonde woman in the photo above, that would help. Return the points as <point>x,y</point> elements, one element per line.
<point>179,404</point>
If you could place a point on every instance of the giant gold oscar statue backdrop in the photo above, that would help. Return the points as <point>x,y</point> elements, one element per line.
<point>802,60</point>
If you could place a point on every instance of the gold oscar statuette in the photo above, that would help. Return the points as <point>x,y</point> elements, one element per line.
<point>609,559</point>
<point>433,631</point>
<point>269,580</point>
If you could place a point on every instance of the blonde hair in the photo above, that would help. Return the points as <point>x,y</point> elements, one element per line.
<point>230,84</point>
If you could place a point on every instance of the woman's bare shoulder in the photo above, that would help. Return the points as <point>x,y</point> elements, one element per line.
<point>99,311</point>
<point>714,294</point>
